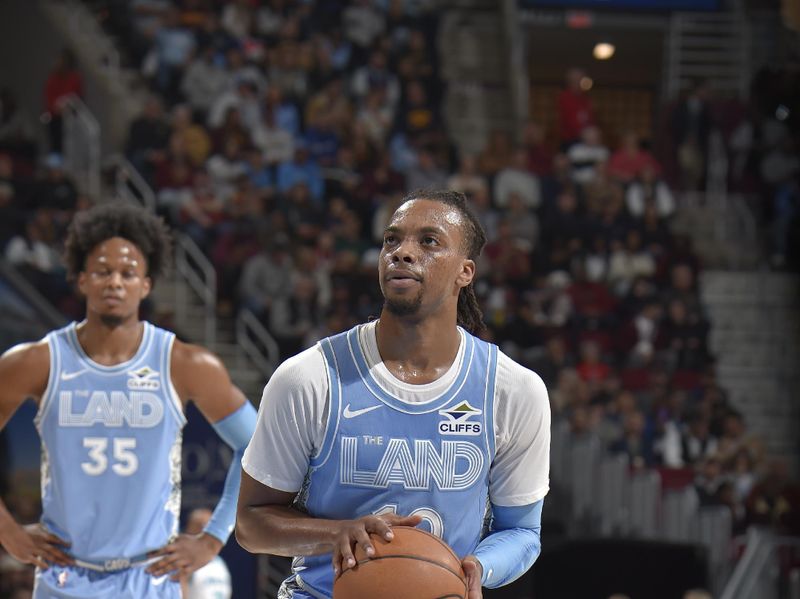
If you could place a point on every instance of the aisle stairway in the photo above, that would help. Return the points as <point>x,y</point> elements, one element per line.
<point>755,334</point>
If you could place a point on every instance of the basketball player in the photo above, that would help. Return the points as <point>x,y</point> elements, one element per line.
<point>403,421</point>
<point>111,392</point>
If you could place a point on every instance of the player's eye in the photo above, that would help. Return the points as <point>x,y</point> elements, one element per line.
<point>430,240</point>
<point>389,239</point>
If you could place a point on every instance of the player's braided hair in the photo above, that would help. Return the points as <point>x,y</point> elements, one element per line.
<point>469,315</point>
<point>118,219</point>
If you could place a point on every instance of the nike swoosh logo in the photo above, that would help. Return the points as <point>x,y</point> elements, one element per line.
<point>348,413</point>
<point>68,376</point>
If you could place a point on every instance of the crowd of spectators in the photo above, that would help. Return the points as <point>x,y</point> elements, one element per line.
<point>281,135</point>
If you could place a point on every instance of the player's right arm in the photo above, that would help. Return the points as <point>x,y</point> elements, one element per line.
<point>24,370</point>
<point>291,423</point>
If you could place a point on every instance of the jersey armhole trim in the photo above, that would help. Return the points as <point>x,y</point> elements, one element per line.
<point>172,393</point>
<point>334,407</point>
<point>49,390</point>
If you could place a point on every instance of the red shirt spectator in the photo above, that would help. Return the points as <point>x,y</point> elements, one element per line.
<point>575,111</point>
<point>64,80</point>
<point>630,160</point>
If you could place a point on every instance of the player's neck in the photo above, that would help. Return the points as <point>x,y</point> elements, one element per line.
<point>110,345</point>
<point>417,352</point>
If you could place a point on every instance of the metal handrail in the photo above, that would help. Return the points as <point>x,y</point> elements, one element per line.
<point>249,326</point>
<point>47,313</point>
<point>78,118</point>
<point>197,271</point>
<point>760,548</point>
<point>129,183</point>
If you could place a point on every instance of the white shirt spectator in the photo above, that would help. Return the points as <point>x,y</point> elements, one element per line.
<point>212,581</point>
<point>203,83</point>
<point>636,197</point>
<point>519,180</point>
<point>363,23</point>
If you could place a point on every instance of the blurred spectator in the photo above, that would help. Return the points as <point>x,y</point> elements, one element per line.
<point>481,205</point>
<point>575,110</point>
<point>174,46</point>
<point>147,138</point>
<point>691,127</point>
<point>16,130</point>
<point>684,339</point>
<point>193,137</point>
<point>585,154</point>
<point>226,168</point>
<point>635,442</point>
<point>244,98</point>
<point>363,23</point>
<point>56,190</point>
<point>293,317</point>
<point>540,156</point>
<point>649,190</point>
<point>204,81</point>
<point>302,169</point>
<point>524,224</point>
<point>64,80</point>
<point>628,162</point>
<point>516,179</point>
<point>238,18</point>
<point>628,261</point>
<point>266,277</point>
<point>466,179</point>
<point>697,442</point>
<point>496,155</point>
<point>376,74</point>
<point>426,174</point>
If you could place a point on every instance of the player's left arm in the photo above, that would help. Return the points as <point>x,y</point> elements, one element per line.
<point>199,376</point>
<point>519,480</point>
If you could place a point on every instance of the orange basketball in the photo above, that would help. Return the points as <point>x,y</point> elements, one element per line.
<point>414,565</point>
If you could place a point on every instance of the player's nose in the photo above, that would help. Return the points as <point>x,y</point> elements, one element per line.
<point>404,252</point>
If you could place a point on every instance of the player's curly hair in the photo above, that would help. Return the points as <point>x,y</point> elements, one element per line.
<point>118,219</point>
<point>469,315</point>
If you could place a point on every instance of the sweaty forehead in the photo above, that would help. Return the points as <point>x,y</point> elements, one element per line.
<point>116,249</point>
<point>427,213</point>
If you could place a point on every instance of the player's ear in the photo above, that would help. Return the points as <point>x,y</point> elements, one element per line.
<point>82,282</point>
<point>467,273</point>
<point>147,285</point>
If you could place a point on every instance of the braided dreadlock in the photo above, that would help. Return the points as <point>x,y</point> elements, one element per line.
<point>469,314</point>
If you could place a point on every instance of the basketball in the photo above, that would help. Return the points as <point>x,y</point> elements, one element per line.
<point>414,565</point>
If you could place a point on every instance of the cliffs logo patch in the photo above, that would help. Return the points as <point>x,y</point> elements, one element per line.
<point>144,378</point>
<point>458,420</point>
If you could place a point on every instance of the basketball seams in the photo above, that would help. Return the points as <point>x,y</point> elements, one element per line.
<point>432,536</point>
<point>419,559</point>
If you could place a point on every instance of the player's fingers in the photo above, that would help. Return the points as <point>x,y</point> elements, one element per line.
<point>361,537</point>
<point>56,540</point>
<point>162,566</point>
<point>395,520</point>
<point>57,556</point>
<point>346,551</point>
<point>39,562</point>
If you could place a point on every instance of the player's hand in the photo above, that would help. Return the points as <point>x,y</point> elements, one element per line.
<point>185,555</point>
<point>33,544</point>
<point>474,571</point>
<point>356,532</point>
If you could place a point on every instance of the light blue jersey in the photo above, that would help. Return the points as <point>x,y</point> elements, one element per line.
<point>383,455</point>
<point>111,454</point>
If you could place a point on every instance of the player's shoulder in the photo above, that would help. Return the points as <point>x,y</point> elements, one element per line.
<point>30,354</point>
<point>302,368</point>
<point>517,381</point>
<point>190,354</point>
